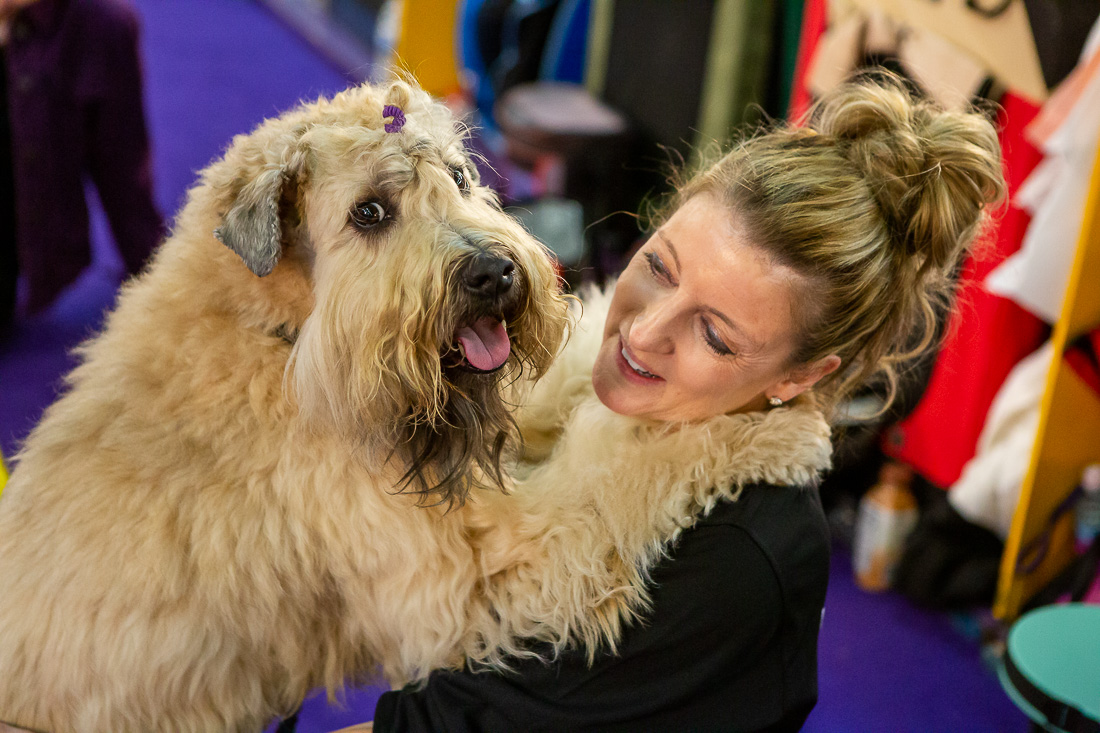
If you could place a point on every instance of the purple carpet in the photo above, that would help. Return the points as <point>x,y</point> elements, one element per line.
<point>215,68</point>
<point>887,666</point>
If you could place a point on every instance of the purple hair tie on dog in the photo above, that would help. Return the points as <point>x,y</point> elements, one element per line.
<point>398,116</point>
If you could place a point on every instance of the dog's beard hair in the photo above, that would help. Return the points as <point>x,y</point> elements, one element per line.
<point>455,437</point>
<point>448,456</point>
<point>464,443</point>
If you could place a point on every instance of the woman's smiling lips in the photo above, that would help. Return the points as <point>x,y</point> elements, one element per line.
<point>632,369</point>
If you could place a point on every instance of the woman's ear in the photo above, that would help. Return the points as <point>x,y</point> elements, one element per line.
<point>803,377</point>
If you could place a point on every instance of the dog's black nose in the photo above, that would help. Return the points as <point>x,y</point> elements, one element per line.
<point>488,276</point>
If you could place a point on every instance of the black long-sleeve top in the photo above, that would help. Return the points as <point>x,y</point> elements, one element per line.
<point>730,643</point>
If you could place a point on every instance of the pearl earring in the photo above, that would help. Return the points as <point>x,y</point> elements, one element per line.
<point>775,401</point>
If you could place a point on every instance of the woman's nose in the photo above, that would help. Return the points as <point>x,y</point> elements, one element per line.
<point>652,328</point>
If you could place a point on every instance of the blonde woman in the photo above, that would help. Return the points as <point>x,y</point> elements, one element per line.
<point>799,266</point>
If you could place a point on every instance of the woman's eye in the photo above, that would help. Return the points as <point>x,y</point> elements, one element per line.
<point>656,266</point>
<point>714,341</point>
<point>461,180</point>
<point>367,214</point>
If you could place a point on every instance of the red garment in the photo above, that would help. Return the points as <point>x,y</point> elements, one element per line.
<point>814,21</point>
<point>986,336</point>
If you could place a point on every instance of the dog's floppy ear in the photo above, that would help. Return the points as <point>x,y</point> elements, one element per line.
<point>262,173</point>
<point>252,226</point>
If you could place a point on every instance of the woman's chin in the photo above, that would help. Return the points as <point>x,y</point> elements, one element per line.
<point>603,393</point>
<point>615,396</point>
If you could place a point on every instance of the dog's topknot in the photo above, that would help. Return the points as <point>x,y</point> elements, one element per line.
<point>398,94</point>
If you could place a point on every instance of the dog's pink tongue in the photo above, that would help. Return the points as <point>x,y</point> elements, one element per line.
<point>485,343</point>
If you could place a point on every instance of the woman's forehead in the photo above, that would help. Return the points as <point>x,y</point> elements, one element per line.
<point>724,272</point>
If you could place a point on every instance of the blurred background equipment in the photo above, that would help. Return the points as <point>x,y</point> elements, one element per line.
<point>1049,667</point>
<point>887,516</point>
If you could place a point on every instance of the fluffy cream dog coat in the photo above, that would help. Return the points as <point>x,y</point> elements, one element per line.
<point>210,522</point>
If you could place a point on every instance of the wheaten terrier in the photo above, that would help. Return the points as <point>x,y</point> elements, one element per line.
<point>244,491</point>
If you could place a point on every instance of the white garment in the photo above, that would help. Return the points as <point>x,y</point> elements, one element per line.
<point>989,489</point>
<point>1055,193</point>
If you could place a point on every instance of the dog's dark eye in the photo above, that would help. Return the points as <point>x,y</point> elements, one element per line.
<point>461,180</point>
<point>367,214</point>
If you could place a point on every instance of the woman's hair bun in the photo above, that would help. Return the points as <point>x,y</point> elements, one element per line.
<point>932,172</point>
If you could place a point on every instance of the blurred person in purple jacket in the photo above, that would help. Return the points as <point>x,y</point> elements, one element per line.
<point>70,106</point>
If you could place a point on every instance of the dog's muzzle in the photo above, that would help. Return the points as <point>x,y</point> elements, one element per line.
<point>488,280</point>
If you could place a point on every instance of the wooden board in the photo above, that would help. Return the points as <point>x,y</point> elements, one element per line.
<point>1069,429</point>
<point>426,45</point>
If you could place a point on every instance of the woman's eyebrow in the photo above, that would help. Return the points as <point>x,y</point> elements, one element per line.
<point>671,248</point>
<point>738,331</point>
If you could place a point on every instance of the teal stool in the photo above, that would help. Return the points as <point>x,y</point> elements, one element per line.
<point>1051,667</point>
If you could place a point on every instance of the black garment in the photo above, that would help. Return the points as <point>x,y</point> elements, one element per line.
<point>731,643</point>
<point>1060,30</point>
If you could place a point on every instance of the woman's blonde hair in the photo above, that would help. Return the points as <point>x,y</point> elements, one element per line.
<point>874,204</point>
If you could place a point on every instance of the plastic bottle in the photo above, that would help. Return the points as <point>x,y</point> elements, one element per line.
<point>1087,511</point>
<point>887,514</point>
